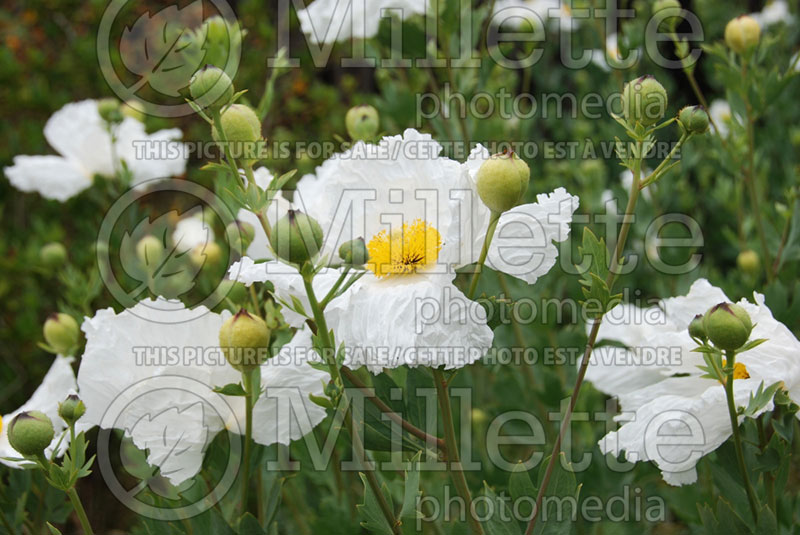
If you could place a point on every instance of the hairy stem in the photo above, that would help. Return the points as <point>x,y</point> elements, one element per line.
<point>487,241</point>
<point>80,511</point>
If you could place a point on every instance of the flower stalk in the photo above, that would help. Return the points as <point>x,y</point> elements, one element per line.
<point>487,241</point>
<point>247,384</point>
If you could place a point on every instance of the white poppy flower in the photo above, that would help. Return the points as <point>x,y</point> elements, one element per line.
<point>774,12</point>
<point>84,146</point>
<point>134,376</point>
<point>671,414</point>
<point>720,112</point>
<point>58,383</point>
<point>421,218</point>
<point>611,56</point>
<point>329,21</point>
<point>190,232</point>
<point>535,12</point>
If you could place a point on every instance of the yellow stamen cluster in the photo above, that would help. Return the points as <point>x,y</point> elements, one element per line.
<point>404,250</point>
<point>739,370</point>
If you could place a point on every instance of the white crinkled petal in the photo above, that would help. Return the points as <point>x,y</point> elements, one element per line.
<point>58,383</point>
<point>419,320</point>
<point>524,242</point>
<point>78,132</point>
<point>53,177</point>
<point>126,366</point>
<point>150,156</point>
<point>328,21</point>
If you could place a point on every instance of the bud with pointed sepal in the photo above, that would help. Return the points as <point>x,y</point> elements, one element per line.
<point>71,409</point>
<point>53,255</point>
<point>240,125</point>
<point>61,333</point>
<point>694,119</point>
<point>728,326</point>
<point>502,181</point>
<point>30,433</point>
<point>211,88</point>
<point>362,123</point>
<point>644,101</point>
<point>354,252</point>
<point>697,330</point>
<point>296,237</point>
<point>244,340</point>
<point>742,34</point>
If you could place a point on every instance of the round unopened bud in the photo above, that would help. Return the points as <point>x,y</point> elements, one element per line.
<point>240,235</point>
<point>644,101</point>
<point>696,328</point>
<point>296,237</point>
<point>53,255</point>
<point>209,252</point>
<point>61,333</point>
<point>671,11</point>
<point>244,340</point>
<point>133,109</point>
<point>502,181</point>
<point>694,119</point>
<point>109,109</point>
<point>749,262</point>
<point>362,123</point>
<point>354,252</point>
<point>240,124</point>
<point>150,250</point>
<point>71,409</point>
<point>30,433</point>
<point>235,291</point>
<point>742,34</point>
<point>211,88</point>
<point>728,326</point>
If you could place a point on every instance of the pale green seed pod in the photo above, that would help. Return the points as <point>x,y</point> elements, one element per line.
<point>742,34</point>
<point>644,101</point>
<point>296,237</point>
<point>61,333</point>
<point>362,123</point>
<point>244,339</point>
<point>728,326</point>
<point>502,180</point>
<point>30,433</point>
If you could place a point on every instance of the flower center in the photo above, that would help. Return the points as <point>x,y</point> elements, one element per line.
<point>739,370</point>
<point>405,250</point>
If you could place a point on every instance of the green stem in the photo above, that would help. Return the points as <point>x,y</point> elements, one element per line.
<point>80,511</point>
<point>610,280</point>
<point>358,445</point>
<point>247,383</point>
<point>656,174</point>
<point>730,357</point>
<point>453,456</point>
<point>769,478</point>
<point>487,241</point>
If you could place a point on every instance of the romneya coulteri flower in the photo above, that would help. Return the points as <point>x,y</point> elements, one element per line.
<point>328,21</point>
<point>85,148</point>
<point>774,12</point>
<point>58,383</point>
<point>420,216</point>
<point>671,414</point>
<point>127,353</point>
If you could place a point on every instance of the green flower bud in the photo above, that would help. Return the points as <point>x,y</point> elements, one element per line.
<point>150,250</point>
<point>728,326</point>
<point>749,262</point>
<point>235,291</point>
<point>362,123</point>
<point>109,110</point>
<point>244,340</point>
<point>53,255</point>
<point>644,101</point>
<point>502,180</point>
<point>696,328</point>
<point>219,39</point>
<point>30,433</point>
<point>296,237</point>
<point>240,124</point>
<point>694,119</point>
<point>71,409</point>
<point>61,333</point>
<point>742,34</point>
<point>240,235</point>
<point>211,88</point>
<point>133,109</point>
<point>671,11</point>
<point>210,252</point>
<point>354,252</point>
